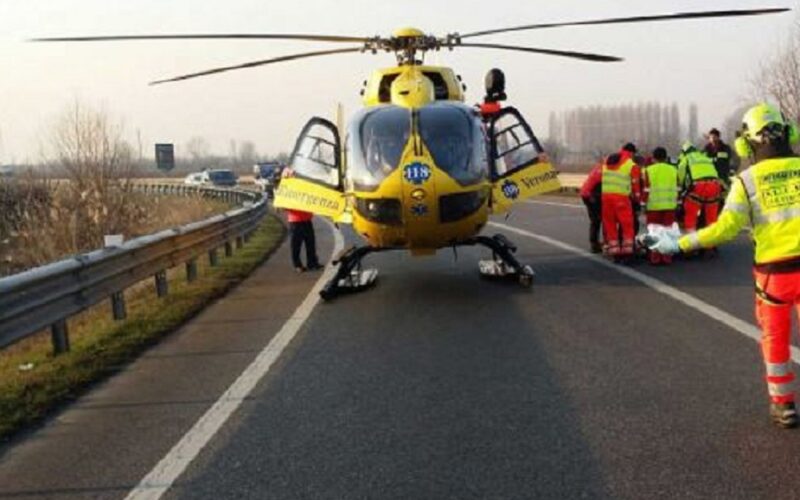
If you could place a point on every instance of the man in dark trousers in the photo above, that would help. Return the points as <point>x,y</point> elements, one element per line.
<point>590,194</point>
<point>301,231</point>
<point>722,156</point>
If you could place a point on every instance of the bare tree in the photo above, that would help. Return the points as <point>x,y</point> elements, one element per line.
<point>247,153</point>
<point>779,78</point>
<point>87,151</point>
<point>198,148</point>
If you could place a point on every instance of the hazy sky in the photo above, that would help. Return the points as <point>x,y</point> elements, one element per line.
<point>703,61</point>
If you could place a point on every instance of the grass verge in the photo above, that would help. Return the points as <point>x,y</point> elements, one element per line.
<point>33,382</point>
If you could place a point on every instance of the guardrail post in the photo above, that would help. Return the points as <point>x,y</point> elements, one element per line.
<point>60,336</point>
<point>162,287</point>
<point>213,257</point>
<point>191,270</point>
<point>239,242</point>
<point>118,306</point>
<point>228,249</point>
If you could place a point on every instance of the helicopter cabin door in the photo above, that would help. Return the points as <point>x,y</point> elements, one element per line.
<point>314,182</point>
<point>519,167</point>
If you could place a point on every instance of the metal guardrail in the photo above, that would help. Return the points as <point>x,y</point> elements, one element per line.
<point>47,296</point>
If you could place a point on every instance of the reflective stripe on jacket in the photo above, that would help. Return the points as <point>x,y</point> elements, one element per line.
<point>662,181</point>
<point>766,196</point>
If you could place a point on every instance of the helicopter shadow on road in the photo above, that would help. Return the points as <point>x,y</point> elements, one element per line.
<point>434,384</point>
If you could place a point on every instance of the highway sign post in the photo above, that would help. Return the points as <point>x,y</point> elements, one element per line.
<point>165,157</point>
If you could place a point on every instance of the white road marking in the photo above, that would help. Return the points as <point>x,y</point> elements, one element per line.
<point>175,462</point>
<point>554,204</point>
<point>743,327</point>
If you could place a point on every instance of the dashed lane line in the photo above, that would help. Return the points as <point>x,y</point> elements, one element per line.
<point>177,460</point>
<point>743,327</point>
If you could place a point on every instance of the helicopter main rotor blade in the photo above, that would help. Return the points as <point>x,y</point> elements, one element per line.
<point>561,53</point>
<point>637,19</point>
<point>260,63</point>
<point>222,36</point>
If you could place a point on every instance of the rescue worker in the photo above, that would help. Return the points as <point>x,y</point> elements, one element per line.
<point>701,187</point>
<point>722,156</point>
<point>301,231</point>
<point>766,196</point>
<point>620,190</point>
<point>660,197</point>
<point>590,194</point>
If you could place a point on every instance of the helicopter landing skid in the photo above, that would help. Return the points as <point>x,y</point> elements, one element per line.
<point>350,277</point>
<point>503,265</point>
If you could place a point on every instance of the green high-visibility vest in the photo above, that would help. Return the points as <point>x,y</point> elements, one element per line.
<point>618,181</point>
<point>701,167</point>
<point>663,190</point>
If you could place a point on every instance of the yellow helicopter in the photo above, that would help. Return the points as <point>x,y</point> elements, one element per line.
<point>417,169</point>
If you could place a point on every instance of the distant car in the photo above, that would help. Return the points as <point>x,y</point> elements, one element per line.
<point>216,178</point>
<point>267,175</point>
<point>6,171</point>
<point>194,179</point>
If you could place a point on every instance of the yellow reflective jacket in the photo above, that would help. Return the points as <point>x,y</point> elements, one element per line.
<point>767,197</point>
<point>695,166</point>
<point>662,187</point>
<point>618,181</point>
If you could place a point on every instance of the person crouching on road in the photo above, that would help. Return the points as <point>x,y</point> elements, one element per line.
<point>590,194</point>
<point>620,189</point>
<point>766,196</point>
<point>702,188</point>
<point>301,232</point>
<point>661,197</point>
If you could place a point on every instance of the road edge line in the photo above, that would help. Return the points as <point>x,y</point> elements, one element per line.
<point>161,478</point>
<point>747,329</point>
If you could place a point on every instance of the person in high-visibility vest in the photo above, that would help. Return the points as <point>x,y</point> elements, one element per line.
<point>661,197</point>
<point>620,188</point>
<point>766,196</point>
<point>701,186</point>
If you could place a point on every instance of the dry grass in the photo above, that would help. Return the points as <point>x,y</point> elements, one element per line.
<point>33,382</point>
<point>44,221</point>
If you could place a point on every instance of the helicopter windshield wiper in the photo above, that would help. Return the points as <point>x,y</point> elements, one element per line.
<point>263,62</point>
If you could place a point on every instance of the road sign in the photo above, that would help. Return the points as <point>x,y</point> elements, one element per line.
<point>165,156</point>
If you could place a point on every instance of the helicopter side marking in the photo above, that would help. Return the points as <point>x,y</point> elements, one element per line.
<point>525,183</point>
<point>161,478</point>
<point>299,194</point>
<point>510,190</point>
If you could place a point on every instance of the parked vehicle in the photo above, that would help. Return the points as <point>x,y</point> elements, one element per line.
<point>216,178</point>
<point>267,175</point>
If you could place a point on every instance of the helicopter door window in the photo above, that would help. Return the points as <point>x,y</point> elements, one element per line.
<point>376,142</point>
<point>455,138</point>
<point>513,144</point>
<point>316,154</point>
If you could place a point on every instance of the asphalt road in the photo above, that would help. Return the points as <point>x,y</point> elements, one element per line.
<point>437,384</point>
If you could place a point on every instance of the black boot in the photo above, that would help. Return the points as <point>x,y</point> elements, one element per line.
<point>597,247</point>
<point>783,415</point>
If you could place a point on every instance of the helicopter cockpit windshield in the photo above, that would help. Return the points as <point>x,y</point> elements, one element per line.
<point>375,144</point>
<point>454,136</point>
